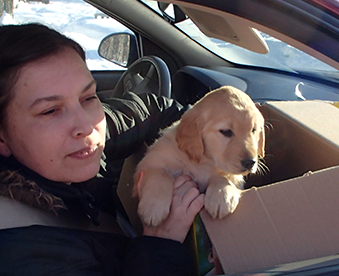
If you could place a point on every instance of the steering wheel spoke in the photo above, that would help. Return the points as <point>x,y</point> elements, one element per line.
<point>148,74</point>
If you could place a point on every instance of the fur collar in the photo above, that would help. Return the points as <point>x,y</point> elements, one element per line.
<point>22,184</point>
<point>15,186</point>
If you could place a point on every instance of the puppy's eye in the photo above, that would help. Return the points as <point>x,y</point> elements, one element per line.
<point>254,130</point>
<point>226,132</point>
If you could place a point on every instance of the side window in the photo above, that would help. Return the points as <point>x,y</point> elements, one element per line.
<point>74,18</point>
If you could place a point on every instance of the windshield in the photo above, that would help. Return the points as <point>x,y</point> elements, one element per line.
<point>281,56</point>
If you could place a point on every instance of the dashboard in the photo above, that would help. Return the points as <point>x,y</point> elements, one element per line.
<point>191,83</point>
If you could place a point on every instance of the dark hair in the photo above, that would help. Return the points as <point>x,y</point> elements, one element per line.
<point>22,44</point>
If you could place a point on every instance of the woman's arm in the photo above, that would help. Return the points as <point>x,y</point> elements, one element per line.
<point>135,119</point>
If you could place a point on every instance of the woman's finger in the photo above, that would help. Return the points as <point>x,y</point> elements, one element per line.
<point>183,194</point>
<point>181,179</point>
<point>196,205</point>
<point>189,195</point>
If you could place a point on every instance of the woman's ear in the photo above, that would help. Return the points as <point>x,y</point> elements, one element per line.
<point>4,149</point>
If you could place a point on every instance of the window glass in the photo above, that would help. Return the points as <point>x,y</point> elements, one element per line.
<point>74,18</point>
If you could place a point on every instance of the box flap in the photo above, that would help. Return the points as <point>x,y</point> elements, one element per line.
<point>302,136</point>
<point>290,221</point>
<point>317,116</point>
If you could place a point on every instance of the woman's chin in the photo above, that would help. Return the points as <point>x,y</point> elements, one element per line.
<point>87,175</point>
<point>81,175</point>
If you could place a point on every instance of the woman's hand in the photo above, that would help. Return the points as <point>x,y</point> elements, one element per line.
<point>186,203</point>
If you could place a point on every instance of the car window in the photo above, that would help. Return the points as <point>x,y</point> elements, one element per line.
<point>74,18</point>
<point>281,56</point>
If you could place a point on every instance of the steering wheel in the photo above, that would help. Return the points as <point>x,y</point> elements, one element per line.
<point>148,74</point>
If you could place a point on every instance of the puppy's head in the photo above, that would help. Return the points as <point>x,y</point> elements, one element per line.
<point>226,127</point>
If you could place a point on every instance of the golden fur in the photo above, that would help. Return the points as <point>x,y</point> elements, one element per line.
<point>216,142</point>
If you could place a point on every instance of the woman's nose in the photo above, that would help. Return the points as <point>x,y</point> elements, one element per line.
<point>82,125</point>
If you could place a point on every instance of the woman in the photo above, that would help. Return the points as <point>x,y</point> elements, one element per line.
<point>60,151</point>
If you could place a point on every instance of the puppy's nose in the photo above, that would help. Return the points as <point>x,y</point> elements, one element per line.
<point>248,163</point>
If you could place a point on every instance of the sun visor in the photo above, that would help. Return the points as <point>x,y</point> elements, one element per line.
<point>227,27</point>
<point>224,26</point>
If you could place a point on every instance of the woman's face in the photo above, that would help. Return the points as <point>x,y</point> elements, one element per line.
<point>55,123</point>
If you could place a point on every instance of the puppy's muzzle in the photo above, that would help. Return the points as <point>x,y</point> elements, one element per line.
<point>248,164</point>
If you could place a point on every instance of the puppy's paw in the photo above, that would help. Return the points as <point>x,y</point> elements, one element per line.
<point>220,202</point>
<point>154,211</point>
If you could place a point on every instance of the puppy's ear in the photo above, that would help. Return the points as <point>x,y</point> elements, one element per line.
<point>261,143</point>
<point>189,135</point>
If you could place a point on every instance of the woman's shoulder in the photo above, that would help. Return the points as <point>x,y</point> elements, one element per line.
<point>15,214</point>
<point>31,238</point>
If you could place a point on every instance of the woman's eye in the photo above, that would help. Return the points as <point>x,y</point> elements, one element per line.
<point>227,132</point>
<point>91,98</point>
<point>48,112</point>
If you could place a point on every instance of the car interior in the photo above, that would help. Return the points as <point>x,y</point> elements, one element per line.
<point>194,70</point>
<point>161,59</point>
<point>158,57</point>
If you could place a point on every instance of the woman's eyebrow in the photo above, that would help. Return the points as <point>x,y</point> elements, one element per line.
<point>88,86</point>
<point>46,99</point>
<point>57,97</point>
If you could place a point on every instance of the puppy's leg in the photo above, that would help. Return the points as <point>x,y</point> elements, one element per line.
<point>155,196</point>
<point>222,197</point>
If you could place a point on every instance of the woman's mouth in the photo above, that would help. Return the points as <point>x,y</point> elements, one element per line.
<point>84,153</point>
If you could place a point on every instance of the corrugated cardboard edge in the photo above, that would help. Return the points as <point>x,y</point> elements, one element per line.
<point>298,225</point>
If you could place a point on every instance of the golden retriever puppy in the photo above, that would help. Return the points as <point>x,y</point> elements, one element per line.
<point>217,142</point>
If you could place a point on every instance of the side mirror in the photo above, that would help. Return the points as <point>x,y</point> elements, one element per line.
<point>119,48</point>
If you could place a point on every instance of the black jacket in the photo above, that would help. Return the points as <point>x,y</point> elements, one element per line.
<point>44,250</point>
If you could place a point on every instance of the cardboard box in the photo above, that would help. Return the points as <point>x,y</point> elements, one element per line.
<point>293,215</point>
<point>296,217</point>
